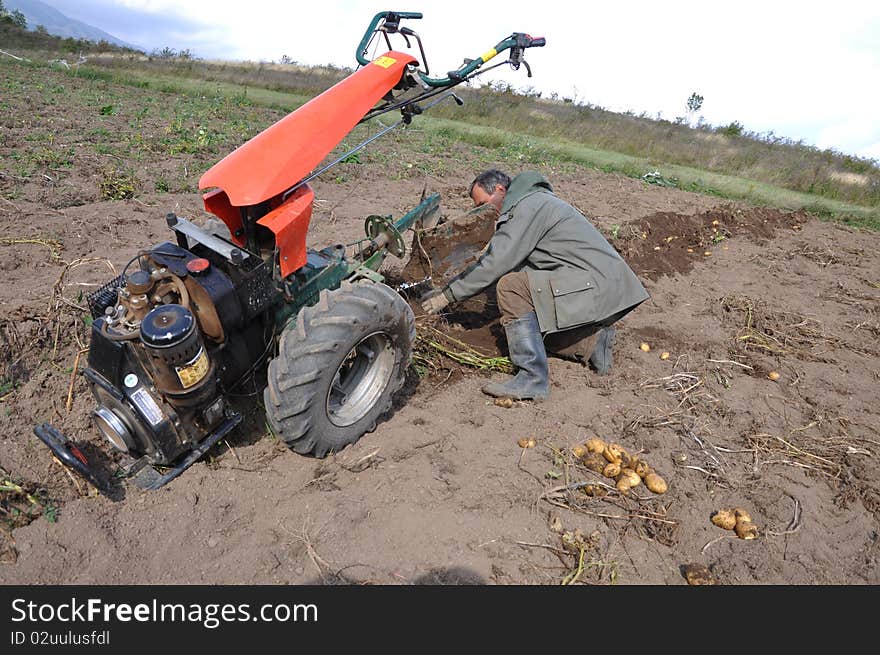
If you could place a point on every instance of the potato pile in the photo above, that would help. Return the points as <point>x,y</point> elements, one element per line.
<point>737,520</point>
<point>612,461</point>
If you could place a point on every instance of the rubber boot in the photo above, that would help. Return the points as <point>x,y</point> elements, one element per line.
<point>601,358</point>
<point>576,344</point>
<point>527,353</point>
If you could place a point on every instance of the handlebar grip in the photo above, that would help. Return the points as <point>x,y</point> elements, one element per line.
<point>537,42</point>
<point>407,14</point>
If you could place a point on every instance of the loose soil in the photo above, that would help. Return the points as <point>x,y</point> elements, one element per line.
<point>441,492</point>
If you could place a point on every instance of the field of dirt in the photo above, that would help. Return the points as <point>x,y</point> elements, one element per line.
<point>441,492</point>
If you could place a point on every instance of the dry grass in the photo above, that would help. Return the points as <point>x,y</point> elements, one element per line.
<point>778,332</point>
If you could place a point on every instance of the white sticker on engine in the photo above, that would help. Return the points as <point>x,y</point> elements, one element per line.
<point>147,405</point>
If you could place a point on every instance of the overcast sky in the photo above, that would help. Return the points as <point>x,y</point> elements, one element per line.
<point>805,70</point>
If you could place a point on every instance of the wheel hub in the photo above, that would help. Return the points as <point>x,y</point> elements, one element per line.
<point>360,380</point>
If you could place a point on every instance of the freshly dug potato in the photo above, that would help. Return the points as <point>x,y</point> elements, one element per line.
<point>697,574</point>
<point>506,403</point>
<point>611,470</point>
<point>594,462</point>
<point>613,453</point>
<point>664,355</point>
<point>742,515</point>
<point>655,483</point>
<point>623,485</point>
<point>596,445</point>
<point>641,468</point>
<point>631,476</point>
<point>746,530</point>
<point>594,490</point>
<point>644,347</point>
<point>579,451</point>
<point>773,375</point>
<point>628,461</point>
<point>526,442</point>
<point>724,518</point>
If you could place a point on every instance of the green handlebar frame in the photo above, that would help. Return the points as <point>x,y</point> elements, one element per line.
<point>517,40</point>
<point>466,69</point>
<point>362,46</point>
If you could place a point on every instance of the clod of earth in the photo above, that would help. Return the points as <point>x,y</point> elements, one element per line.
<point>698,574</point>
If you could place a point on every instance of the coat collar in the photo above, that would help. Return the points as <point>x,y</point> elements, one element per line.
<point>524,184</point>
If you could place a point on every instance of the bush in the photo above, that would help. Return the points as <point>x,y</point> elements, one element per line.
<point>735,128</point>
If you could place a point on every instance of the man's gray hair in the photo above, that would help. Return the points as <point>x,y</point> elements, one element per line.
<point>488,179</point>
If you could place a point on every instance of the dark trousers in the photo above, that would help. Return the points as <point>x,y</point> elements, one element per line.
<point>515,300</point>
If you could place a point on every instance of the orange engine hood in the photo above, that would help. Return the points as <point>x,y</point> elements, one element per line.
<point>286,152</point>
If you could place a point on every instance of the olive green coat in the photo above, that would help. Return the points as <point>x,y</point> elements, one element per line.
<point>576,277</point>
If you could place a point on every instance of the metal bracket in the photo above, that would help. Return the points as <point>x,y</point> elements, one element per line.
<point>223,248</point>
<point>362,272</point>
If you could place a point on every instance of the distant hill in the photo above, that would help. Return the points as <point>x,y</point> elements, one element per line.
<point>39,13</point>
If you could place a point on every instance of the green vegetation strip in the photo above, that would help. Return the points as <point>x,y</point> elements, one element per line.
<point>539,150</point>
<point>196,87</point>
<point>522,148</point>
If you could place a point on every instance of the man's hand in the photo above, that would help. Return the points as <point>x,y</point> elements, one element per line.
<point>435,302</point>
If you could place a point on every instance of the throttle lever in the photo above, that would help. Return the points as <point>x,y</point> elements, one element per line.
<point>391,23</point>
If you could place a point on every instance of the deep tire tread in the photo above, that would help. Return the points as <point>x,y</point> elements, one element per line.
<point>325,332</point>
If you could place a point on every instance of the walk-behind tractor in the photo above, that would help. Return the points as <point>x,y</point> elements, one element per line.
<point>190,325</point>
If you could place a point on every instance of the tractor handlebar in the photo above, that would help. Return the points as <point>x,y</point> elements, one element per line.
<point>388,22</point>
<point>516,43</point>
<point>390,25</point>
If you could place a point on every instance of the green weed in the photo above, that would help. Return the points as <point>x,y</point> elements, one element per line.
<point>117,185</point>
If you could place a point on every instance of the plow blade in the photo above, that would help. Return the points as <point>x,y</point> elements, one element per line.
<point>442,252</point>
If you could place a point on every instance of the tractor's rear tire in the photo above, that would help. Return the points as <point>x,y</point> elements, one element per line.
<point>338,367</point>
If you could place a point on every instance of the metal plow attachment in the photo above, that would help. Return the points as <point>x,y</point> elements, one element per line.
<point>449,248</point>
